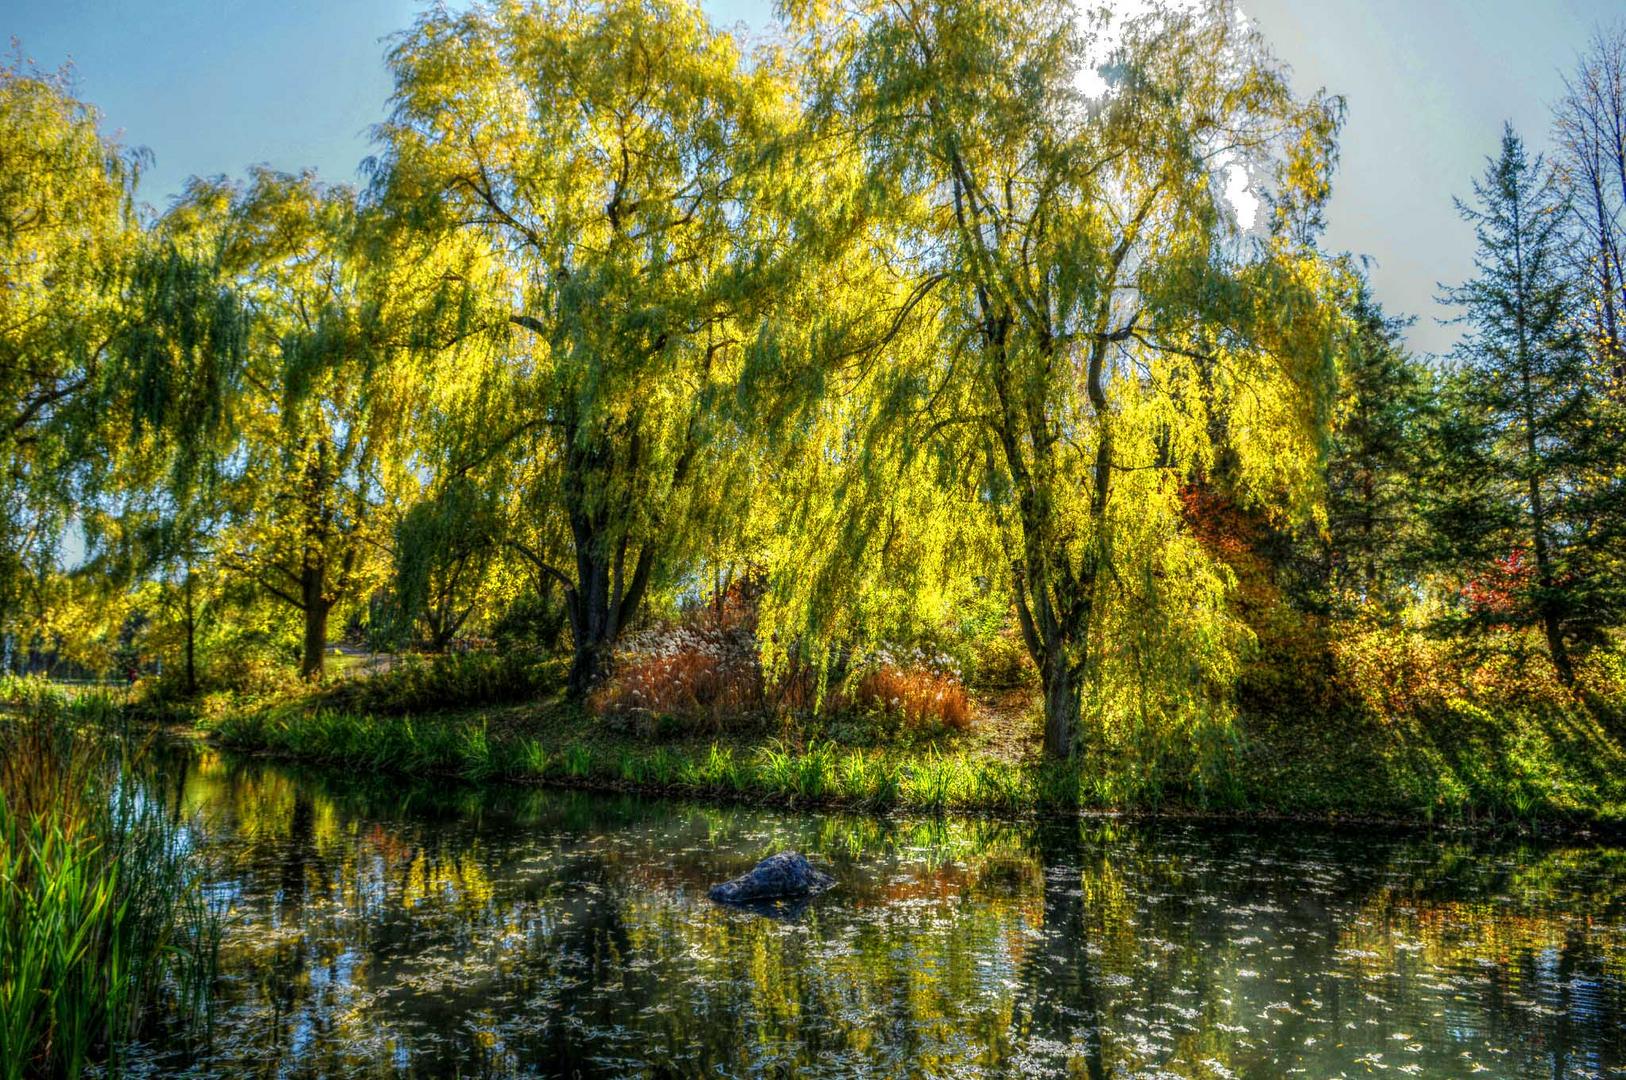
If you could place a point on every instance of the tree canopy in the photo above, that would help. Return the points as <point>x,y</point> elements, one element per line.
<point>67,232</point>
<point>1099,332</point>
<point>1000,332</point>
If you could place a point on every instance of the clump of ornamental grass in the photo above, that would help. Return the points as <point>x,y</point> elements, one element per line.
<point>918,692</point>
<point>701,672</point>
<point>704,673</point>
<point>103,924</point>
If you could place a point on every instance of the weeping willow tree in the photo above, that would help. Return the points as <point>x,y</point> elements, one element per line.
<point>615,164</point>
<point>1096,332</point>
<point>152,500</point>
<point>313,375</point>
<point>67,232</point>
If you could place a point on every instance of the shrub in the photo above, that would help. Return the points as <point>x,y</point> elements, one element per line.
<point>31,693</point>
<point>704,673</point>
<point>1001,661</point>
<point>533,620</point>
<point>447,680</point>
<point>1397,671</point>
<point>914,693</point>
<point>247,662</point>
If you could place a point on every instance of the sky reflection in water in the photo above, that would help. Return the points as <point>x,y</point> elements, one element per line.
<point>384,929</point>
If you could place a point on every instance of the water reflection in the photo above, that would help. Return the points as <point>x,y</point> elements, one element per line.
<point>388,929</point>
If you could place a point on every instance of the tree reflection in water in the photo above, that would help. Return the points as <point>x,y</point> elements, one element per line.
<point>382,927</point>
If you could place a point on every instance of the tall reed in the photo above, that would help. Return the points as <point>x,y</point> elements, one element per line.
<point>103,924</point>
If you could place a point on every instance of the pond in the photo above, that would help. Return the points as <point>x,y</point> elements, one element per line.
<point>383,928</point>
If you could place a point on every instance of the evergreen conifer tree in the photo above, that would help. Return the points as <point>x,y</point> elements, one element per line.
<point>1516,441</point>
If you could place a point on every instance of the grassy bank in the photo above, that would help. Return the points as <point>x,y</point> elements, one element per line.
<point>1465,767</point>
<point>557,743</point>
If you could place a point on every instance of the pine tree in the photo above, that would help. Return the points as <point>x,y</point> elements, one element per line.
<point>1515,439</point>
<point>1372,540</point>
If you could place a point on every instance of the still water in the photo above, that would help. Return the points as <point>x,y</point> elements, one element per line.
<point>377,928</point>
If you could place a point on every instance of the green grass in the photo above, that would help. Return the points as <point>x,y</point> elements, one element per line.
<point>1405,727</point>
<point>562,751</point>
<point>1456,762</point>
<point>1468,767</point>
<point>102,920</point>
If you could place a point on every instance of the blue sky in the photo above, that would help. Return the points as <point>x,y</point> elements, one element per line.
<point>212,86</point>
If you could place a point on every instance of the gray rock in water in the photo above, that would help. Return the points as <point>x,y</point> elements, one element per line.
<point>786,875</point>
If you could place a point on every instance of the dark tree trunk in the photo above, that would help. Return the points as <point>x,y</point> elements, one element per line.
<point>1061,706</point>
<point>443,626</point>
<point>191,635</point>
<point>592,637</point>
<point>316,605</point>
<point>1060,674</point>
<point>602,603</point>
<point>1551,620</point>
<point>589,666</point>
<point>1556,647</point>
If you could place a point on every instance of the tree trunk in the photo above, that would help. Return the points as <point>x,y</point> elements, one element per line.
<point>603,601</point>
<point>1061,705</point>
<point>1556,648</point>
<point>313,662</point>
<point>316,605</point>
<point>1047,641</point>
<point>191,636</point>
<point>441,629</point>
<point>590,632</point>
<point>589,666</point>
<point>1551,623</point>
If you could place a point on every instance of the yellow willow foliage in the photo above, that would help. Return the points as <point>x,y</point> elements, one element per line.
<point>324,399</point>
<point>634,200</point>
<point>934,307</point>
<point>1076,329</point>
<point>591,156</point>
<point>67,228</point>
